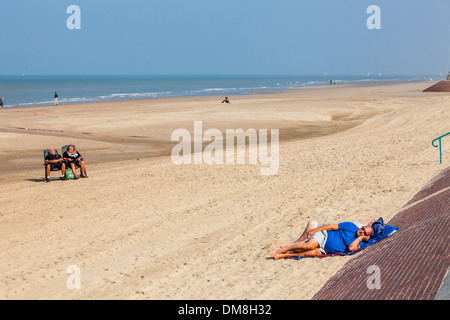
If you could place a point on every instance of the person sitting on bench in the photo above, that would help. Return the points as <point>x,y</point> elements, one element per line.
<point>74,159</point>
<point>54,161</point>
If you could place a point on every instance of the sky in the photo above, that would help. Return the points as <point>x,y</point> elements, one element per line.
<point>226,37</point>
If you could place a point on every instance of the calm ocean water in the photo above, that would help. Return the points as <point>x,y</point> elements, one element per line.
<point>23,91</point>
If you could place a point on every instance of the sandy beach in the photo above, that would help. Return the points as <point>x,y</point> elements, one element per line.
<point>141,227</point>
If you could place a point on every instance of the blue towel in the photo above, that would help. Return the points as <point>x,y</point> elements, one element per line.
<point>387,230</point>
<point>377,227</point>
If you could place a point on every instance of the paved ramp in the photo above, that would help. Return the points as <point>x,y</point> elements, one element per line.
<point>441,86</point>
<point>412,263</point>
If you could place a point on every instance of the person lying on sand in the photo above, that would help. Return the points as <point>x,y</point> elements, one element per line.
<point>318,239</point>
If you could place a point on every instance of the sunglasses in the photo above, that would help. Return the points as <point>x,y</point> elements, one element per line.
<point>364,231</point>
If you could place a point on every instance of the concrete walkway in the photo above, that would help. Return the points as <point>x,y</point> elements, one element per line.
<point>412,263</point>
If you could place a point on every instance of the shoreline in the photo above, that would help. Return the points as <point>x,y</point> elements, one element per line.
<point>244,94</point>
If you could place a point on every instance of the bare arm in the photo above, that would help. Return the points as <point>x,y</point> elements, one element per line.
<point>329,227</point>
<point>355,244</point>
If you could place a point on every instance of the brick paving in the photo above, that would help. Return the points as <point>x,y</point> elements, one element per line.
<point>440,182</point>
<point>441,86</point>
<point>411,263</point>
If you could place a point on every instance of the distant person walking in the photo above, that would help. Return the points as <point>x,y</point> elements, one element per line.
<point>2,101</point>
<point>55,101</point>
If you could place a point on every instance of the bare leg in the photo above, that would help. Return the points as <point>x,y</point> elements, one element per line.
<point>82,169</point>
<point>74,170</point>
<point>310,253</point>
<point>297,247</point>
<point>313,224</point>
<point>280,245</point>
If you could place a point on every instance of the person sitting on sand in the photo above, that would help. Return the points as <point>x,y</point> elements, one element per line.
<point>226,100</point>
<point>73,159</point>
<point>53,161</point>
<point>320,239</point>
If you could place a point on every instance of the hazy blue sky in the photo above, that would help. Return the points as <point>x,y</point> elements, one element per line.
<point>224,37</point>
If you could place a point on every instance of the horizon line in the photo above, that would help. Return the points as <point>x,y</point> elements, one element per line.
<point>377,74</point>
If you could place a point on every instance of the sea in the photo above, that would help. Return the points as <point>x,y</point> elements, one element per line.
<point>33,90</point>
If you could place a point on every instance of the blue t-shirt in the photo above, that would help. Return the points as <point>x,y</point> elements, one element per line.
<point>338,241</point>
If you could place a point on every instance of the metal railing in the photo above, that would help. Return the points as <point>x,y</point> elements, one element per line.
<point>440,144</point>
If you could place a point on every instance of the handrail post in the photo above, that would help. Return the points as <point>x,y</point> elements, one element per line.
<point>440,148</point>
<point>440,145</point>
